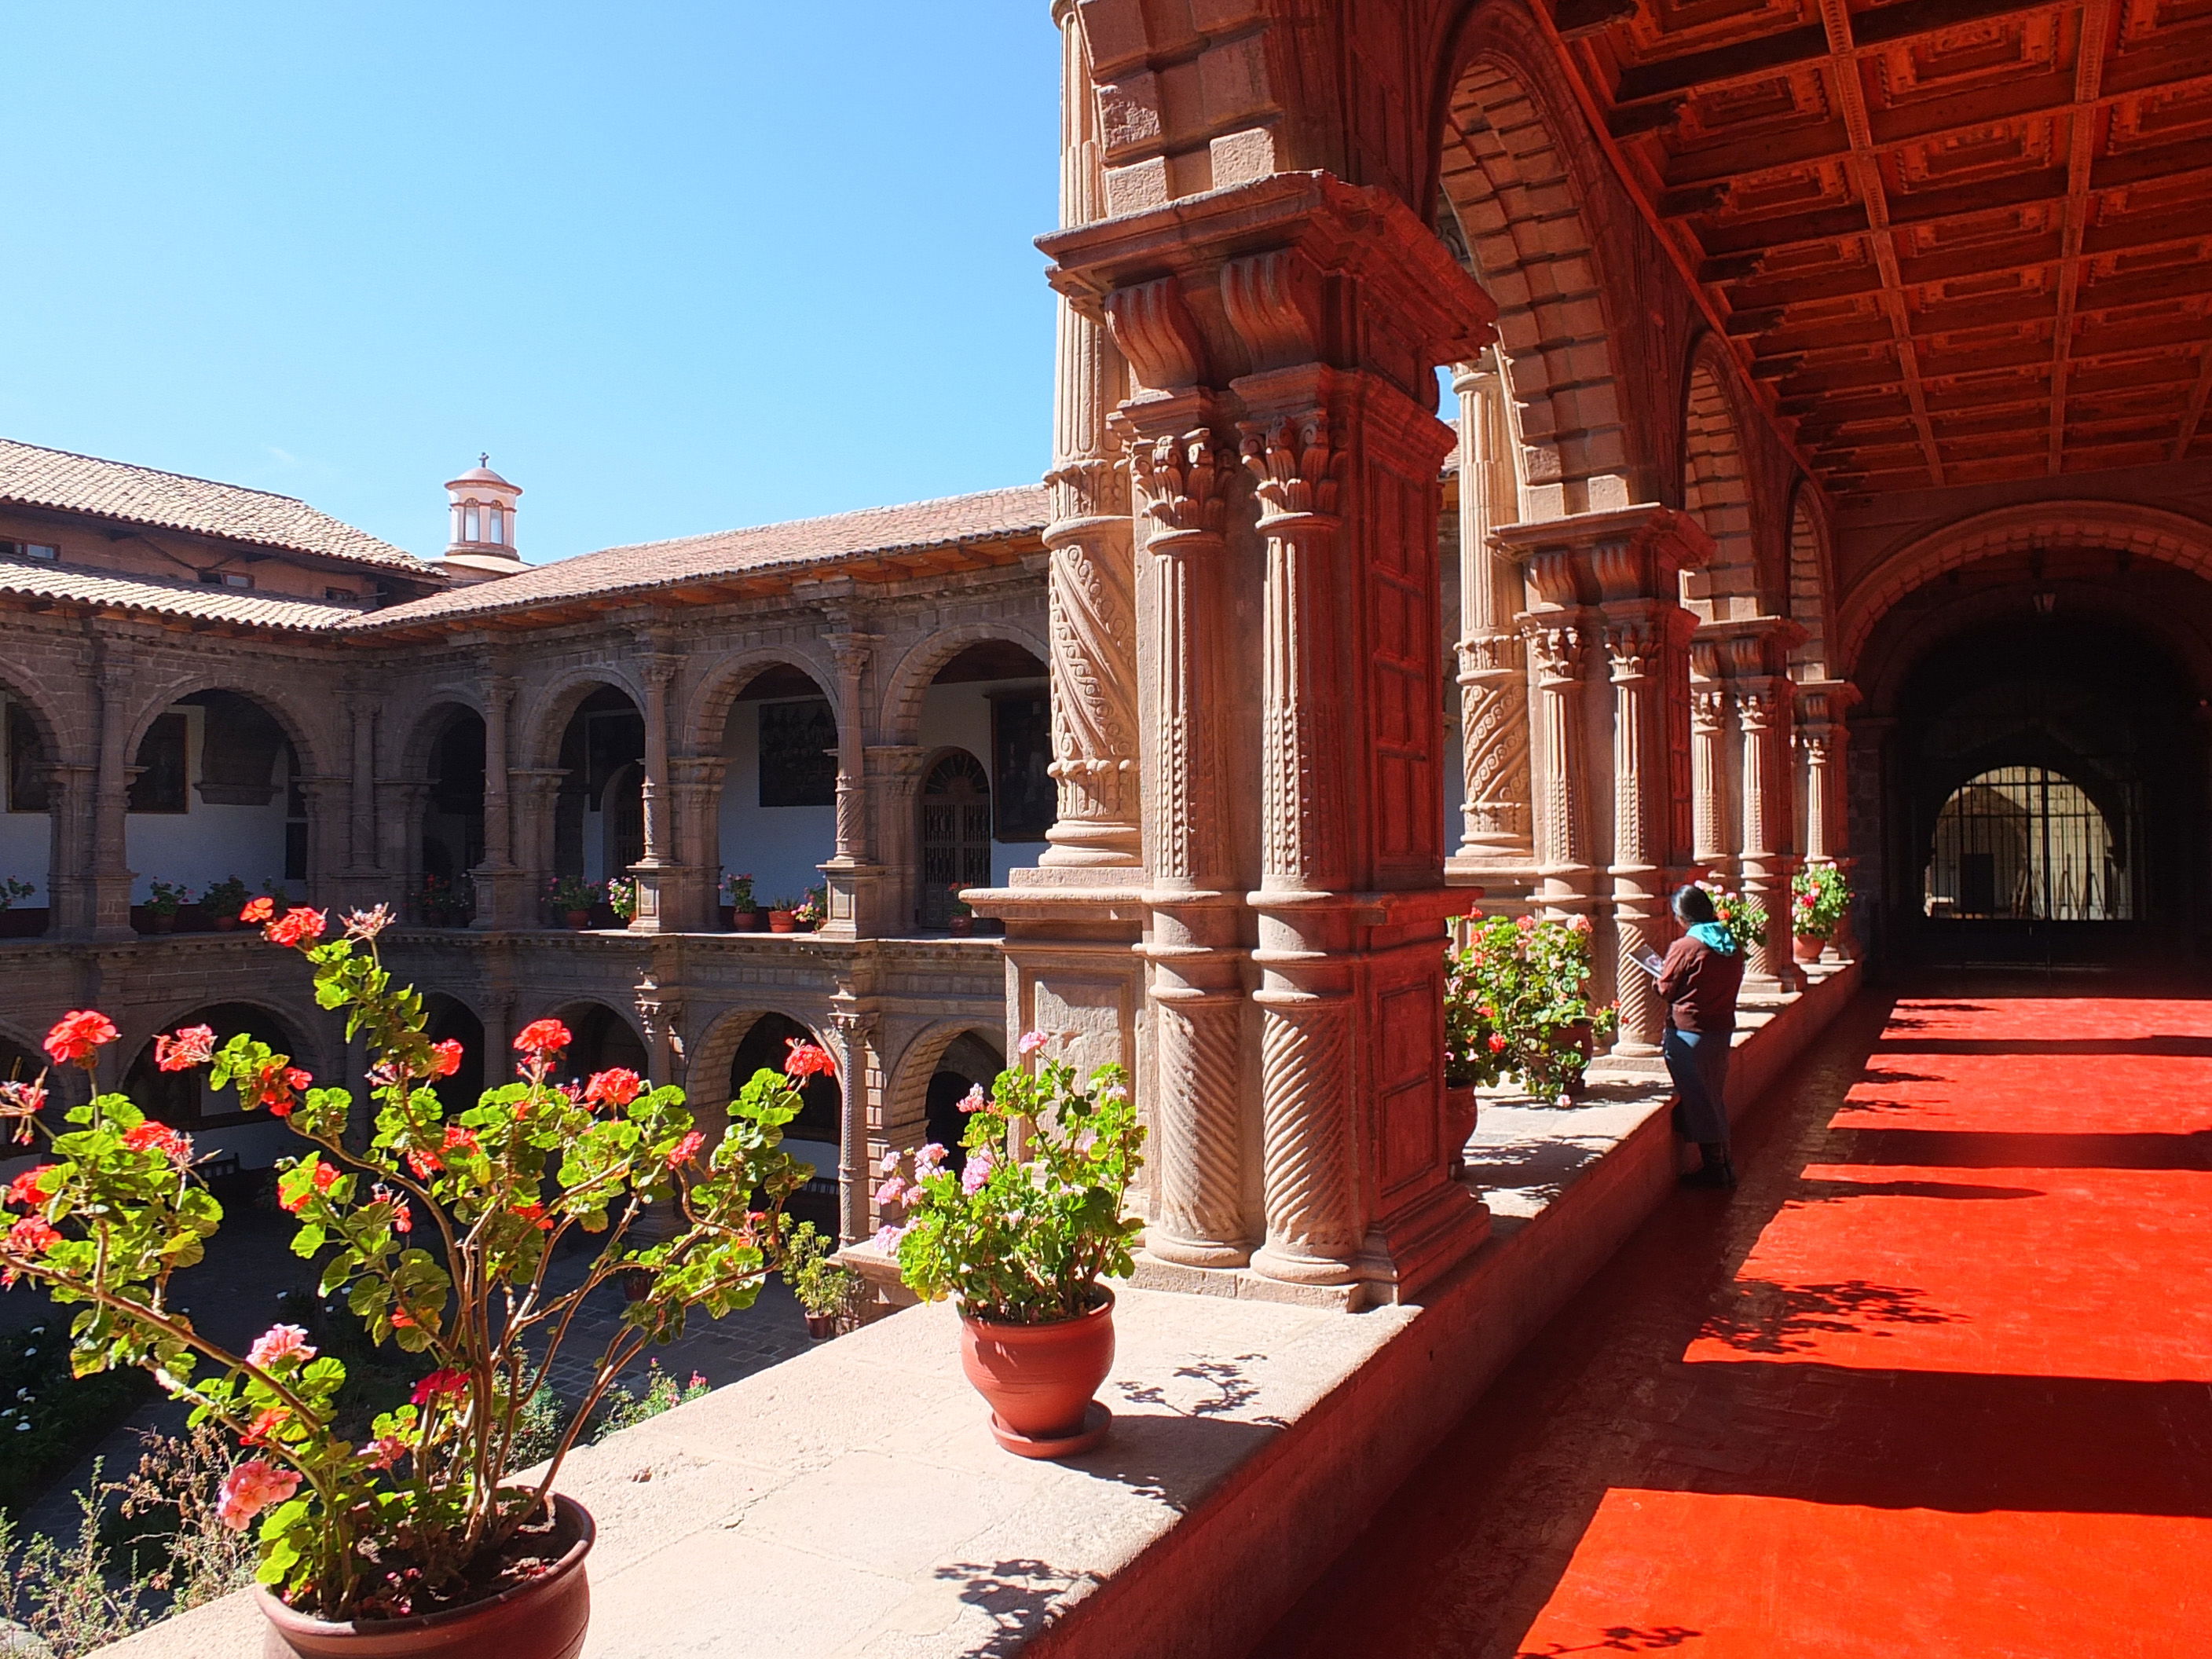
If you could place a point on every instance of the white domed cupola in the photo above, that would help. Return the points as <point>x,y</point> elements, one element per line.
<point>482,544</point>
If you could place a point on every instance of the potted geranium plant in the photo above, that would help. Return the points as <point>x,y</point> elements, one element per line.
<point>807,916</point>
<point>1023,1237</point>
<point>826,1292</point>
<point>783,915</point>
<point>163,900</point>
<point>960,917</point>
<point>574,899</point>
<point>744,910</point>
<point>1819,898</point>
<point>1517,1003</point>
<point>436,1230</point>
<point>1746,917</point>
<point>443,904</point>
<point>223,902</point>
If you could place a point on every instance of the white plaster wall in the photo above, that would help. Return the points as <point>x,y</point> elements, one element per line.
<point>205,843</point>
<point>959,716</point>
<point>780,847</point>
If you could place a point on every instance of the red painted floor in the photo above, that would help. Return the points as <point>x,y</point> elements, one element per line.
<point>1935,1380</point>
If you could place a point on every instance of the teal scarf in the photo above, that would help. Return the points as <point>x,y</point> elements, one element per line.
<point>1715,936</point>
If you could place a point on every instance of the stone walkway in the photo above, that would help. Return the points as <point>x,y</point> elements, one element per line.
<point>1933,1381</point>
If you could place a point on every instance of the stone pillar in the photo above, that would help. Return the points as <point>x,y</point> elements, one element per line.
<point>894,775</point>
<point>1709,708</point>
<point>360,839</point>
<point>70,889</point>
<point>1744,663</point>
<point>851,877</point>
<point>1612,776</point>
<point>852,1030</point>
<point>399,829</point>
<point>504,891</point>
<point>1495,836</point>
<point>1823,741</point>
<point>656,874</point>
<point>108,871</point>
<point>329,805</point>
<point>691,890</point>
<point>1194,917</point>
<point>1305,924</point>
<point>531,794</point>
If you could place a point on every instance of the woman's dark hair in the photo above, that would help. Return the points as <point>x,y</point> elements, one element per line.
<point>1693,904</point>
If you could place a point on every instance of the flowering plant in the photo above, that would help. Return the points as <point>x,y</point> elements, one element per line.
<point>438,1232</point>
<point>1032,1221</point>
<point>443,904</point>
<point>575,893</point>
<point>810,910</point>
<point>225,897</point>
<point>622,898</point>
<point>740,889</point>
<point>13,890</point>
<point>1741,916</point>
<point>1819,897</point>
<point>166,898</point>
<point>960,906</point>
<point>1517,1003</point>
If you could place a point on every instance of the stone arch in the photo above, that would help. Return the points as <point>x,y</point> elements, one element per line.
<point>427,727</point>
<point>1811,588</point>
<point>59,741</point>
<point>722,685</point>
<point>904,688</point>
<point>2052,526</point>
<point>1513,194</point>
<point>706,1064</point>
<point>543,722</point>
<point>906,1100</point>
<point>1716,492</point>
<point>297,728</point>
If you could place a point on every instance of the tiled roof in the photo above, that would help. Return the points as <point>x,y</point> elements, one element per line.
<point>800,542</point>
<point>197,600</point>
<point>139,495</point>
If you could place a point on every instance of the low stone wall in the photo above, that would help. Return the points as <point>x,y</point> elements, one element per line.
<point>851,1502</point>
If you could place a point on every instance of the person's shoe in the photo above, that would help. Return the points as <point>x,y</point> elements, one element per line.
<point>1721,1175</point>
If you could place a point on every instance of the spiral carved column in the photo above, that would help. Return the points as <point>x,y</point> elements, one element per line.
<point>1492,680</point>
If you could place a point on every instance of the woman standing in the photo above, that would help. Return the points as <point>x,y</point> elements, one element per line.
<point>1698,982</point>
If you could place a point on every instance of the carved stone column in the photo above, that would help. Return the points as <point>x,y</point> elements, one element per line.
<point>894,778</point>
<point>1305,994</point>
<point>329,800</point>
<point>1495,836</point>
<point>1823,744</point>
<point>851,876</point>
<point>532,794</point>
<point>361,837</point>
<point>655,872</point>
<point>108,872</point>
<point>1613,774</point>
<point>854,1031</point>
<point>71,892</point>
<point>1192,939</point>
<point>1709,793</point>
<point>689,887</point>
<point>1747,661</point>
<point>400,807</point>
<point>506,896</point>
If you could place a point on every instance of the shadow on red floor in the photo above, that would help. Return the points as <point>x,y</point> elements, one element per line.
<point>1933,1381</point>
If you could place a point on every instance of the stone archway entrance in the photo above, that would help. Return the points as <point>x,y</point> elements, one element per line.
<point>955,834</point>
<point>2043,797</point>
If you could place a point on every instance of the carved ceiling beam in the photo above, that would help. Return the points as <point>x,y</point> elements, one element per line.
<point>2081,158</point>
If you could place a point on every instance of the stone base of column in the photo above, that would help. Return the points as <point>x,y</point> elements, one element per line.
<point>1424,1240</point>
<point>1510,882</point>
<point>506,898</point>
<point>1157,1272</point>
<point>854,893</point>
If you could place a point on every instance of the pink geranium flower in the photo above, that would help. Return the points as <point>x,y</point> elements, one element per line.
<point>280,1342</point>
<point>251,1487</point>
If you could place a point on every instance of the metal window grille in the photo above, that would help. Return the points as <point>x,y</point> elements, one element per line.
<point>2025,843</point>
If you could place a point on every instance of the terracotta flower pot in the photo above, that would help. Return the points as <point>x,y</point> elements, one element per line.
<point>579,919</point>
<point>782,921</point>
<point>1805,948</point>
<point>1039,1379</point>
<point>745,922</point>
<point>1461,1109</point>
<point>544,1618</point>
<point>962,926</point>
<point>160,922</point>
<point>819,1326</point>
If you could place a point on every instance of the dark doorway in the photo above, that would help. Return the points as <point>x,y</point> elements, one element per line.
<point>955,834</point>
<point>2044,797</point>
<point>969,1061</point>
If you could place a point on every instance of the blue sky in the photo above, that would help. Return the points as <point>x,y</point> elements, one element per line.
<point>678,266</point>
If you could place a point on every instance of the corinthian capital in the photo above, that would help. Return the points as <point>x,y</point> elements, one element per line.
<point>1295,461</point>
<point>1184,480</point>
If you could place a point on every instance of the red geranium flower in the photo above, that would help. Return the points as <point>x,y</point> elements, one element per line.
<point>325,1178</point>
<point>805,1059</point>
<point>278,1087</point>
<point>425,1164</point>
<point>161,1138</point>
<point>446,1057</point>
<point>616,1087</point>
<point>31,1236</point>
<point>542,1037</point>
<point>463,1140</point>
<point>442,1381</point>
<point>192,1045</point>
<point>686,1149</point>
<point>298,926</point>
<point>30,1187</point>
<point>76,1034</point>
<point>533,1212</point>
<point>258,910</point>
